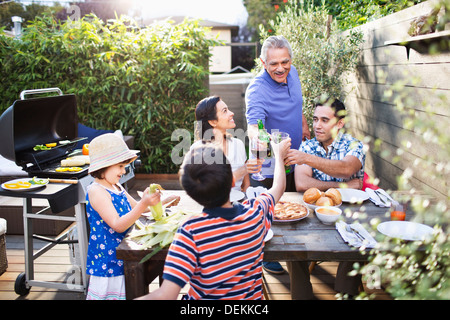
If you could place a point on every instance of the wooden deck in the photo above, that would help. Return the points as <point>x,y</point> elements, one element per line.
<point>55,264</point>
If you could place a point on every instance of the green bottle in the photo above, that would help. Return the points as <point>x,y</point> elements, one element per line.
<point>265,137</point>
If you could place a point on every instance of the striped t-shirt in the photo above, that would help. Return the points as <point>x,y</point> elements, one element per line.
<point>220,252</point>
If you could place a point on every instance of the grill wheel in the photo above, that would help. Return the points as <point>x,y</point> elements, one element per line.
<point>20,286</point>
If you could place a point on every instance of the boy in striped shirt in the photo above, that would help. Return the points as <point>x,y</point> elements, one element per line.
<point>220,252</point>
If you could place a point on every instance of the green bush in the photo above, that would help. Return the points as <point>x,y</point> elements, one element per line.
<point>145,82</point>
<point>352,13</point>
<point>320,53</point>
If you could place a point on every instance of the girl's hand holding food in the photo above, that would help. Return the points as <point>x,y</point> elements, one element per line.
<point>151,199</point>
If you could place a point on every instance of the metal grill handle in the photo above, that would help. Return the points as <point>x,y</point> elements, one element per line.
<point>38,91</point>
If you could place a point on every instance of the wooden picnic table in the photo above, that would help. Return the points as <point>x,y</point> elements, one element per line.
<point>304,240</point>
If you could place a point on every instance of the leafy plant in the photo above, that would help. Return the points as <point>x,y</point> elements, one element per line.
<point>351,13</point>
<point>348,13</point>
<point>145,82</point>
<point>320,53</point>
<point>260,12</point>
<point>8,9</point>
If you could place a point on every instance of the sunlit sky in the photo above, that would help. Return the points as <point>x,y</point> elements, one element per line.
<point>225,11</point>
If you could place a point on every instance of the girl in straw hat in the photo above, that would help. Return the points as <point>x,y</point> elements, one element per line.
<point>110,211</point>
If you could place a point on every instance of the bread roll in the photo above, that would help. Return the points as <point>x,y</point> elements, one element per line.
<point>325,202</point>
<point>335,195</point>
<point>311,195</point>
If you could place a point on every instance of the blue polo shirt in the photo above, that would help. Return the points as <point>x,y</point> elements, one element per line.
<point>278,105</point>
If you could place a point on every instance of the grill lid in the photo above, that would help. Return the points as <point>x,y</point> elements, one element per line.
<point>27,123</point>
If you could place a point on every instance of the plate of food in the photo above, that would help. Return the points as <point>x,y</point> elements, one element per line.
<point>289,212</point>
<point>405,230</point>
<point>25,184</point>
<point>353,195</point>
<point>314,198</point>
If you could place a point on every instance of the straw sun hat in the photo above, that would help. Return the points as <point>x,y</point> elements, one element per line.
<point>107,150</point>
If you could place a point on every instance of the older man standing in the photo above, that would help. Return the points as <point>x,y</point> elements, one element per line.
<point>275,97</point>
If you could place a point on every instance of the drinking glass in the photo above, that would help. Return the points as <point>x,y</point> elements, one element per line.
<point>398,211</point>
<point>277,137</point>
<point>258,149</point>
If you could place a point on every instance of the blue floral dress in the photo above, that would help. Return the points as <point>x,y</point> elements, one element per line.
<point>103,240</point>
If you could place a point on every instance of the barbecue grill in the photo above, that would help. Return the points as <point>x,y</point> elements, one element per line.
<point>30,122</point>
<point>39,121</point>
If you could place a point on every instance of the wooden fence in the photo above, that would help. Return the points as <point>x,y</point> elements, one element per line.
<point>385,60</point>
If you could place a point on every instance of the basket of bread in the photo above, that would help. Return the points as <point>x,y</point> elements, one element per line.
<point>314,198</point>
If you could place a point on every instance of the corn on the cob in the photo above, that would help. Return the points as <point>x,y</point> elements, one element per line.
<point>158,234</point>
<point>157,210</point>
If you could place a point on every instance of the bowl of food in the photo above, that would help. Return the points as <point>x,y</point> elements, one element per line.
<point>314,198</point>
<point>328,215</point>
